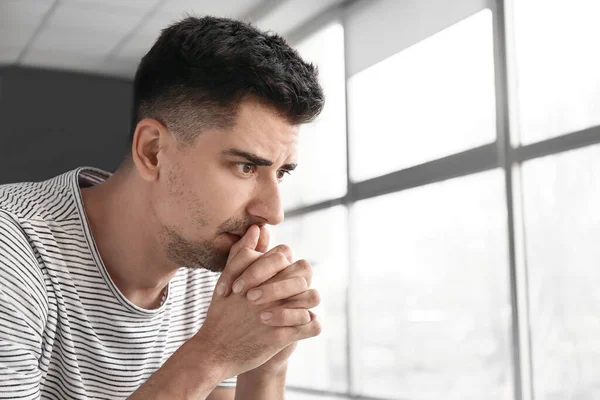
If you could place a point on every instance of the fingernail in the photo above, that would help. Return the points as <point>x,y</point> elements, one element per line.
<point>238,286</point>
<point>221,289</point>
<point>266,316</point>
<point>254,294</point>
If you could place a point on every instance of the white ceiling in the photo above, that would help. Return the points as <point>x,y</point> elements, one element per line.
<point>110,36</point>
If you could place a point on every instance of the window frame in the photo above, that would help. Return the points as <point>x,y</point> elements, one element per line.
<point>505,153</point>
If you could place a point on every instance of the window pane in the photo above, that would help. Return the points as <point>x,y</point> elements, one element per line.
<point>291,395</point>
<point>429,101</point>
<point>321,174</point>
<point>321,238</point>
<point>562,224</point>
<point>430,304</point>
<point>557,66</point>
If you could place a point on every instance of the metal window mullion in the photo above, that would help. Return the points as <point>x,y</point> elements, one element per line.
<point>506,125</point>
<point>570,141</point>
<point>468,162</point>
<point>348,201</point>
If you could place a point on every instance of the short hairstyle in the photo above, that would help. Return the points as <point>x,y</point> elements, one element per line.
<point>200,70</point>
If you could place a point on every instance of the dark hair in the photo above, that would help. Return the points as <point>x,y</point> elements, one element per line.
<point>200,70</point>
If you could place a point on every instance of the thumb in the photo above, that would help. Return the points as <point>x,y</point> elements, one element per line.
<point>263,240</point>
<point>250,240</point>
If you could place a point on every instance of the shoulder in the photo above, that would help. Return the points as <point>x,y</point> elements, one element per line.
<point>23,282</point>
<point>15,247</point>
<point>47,200</point>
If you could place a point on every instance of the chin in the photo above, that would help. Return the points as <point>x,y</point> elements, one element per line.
<point>216,263</point>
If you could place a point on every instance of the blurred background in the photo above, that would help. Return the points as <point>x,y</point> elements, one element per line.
<point>447,196</point>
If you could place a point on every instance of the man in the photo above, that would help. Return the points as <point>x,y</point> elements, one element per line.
<point>108,281</point>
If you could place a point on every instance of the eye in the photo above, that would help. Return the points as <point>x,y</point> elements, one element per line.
<point>245,169</point>
<point>282,173</point>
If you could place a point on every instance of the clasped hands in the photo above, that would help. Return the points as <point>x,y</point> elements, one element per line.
<point>261,306</point>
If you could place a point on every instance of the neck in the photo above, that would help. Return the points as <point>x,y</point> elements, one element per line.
<point>127,239</point>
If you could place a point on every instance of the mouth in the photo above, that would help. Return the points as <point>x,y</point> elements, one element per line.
<point>233,237</point>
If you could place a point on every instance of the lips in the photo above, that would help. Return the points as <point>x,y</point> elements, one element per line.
<point>234,236</point>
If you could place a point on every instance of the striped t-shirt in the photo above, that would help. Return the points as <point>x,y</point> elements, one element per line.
<point>66,331</point>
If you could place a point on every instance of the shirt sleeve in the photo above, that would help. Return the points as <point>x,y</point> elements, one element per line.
<point>23,310</point>
<point>228,383</point>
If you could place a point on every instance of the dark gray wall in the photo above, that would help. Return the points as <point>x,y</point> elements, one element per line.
<point>53,121</point>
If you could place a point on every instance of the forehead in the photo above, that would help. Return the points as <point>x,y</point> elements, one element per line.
<point>260,129</point>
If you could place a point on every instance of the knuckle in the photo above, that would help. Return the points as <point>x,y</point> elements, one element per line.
<point>305,269</point>
<point>251,275</point>
<point>280,258</point>
<point>283,249</point>
<point>304,265</point>
<point>300,282</point>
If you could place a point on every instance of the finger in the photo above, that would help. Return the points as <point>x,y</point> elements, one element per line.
<point>234,269</point>
<point>308,299</point>
<point>305,331</point>
<point>258,274</point>
<point>286,317</point>
<point>283,249</point>
<point>278,290</point>
<point>249,240</point>
<point>260,271</point>
<point>299,268</point>
<point>263,239</point>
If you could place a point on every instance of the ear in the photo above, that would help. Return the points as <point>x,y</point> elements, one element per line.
<point>149,140</point>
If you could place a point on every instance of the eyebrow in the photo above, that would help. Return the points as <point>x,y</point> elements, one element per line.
<point>254,159</point>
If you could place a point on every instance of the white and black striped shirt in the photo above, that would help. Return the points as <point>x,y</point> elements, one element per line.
<point>66,331</point>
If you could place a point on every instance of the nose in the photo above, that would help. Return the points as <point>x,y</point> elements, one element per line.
<point>266,203</point>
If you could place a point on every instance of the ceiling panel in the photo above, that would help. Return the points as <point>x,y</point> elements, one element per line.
<point>61,59</point>
<point>77,15</point>
<point>16,35</point>
<point>20,12</point>
<point>123,67</point>
<point>292,14</point>
<point>110,36</point>
<point>154,24</point>
<point>133,5</point>
<point>76,40</point>
<point>174,10</point>
<point>9,55</point>
<point>18,21</point>
<point>140,42</point>
<point>222,8</point>
<point>137,47</point>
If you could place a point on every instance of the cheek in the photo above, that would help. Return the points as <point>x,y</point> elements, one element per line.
<point>182,209</point>
<point>227,193</point>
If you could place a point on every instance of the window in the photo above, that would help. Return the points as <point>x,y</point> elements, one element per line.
<point>428,268</point>
<point>321,238</point>
<point>426,102</point>
<point>562,224</point>
<point>321,173</point>
<point>557,62</point>
<point>294,395</point>
<point>430,293</point>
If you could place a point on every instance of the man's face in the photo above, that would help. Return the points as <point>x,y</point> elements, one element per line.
<point>210,192</point>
